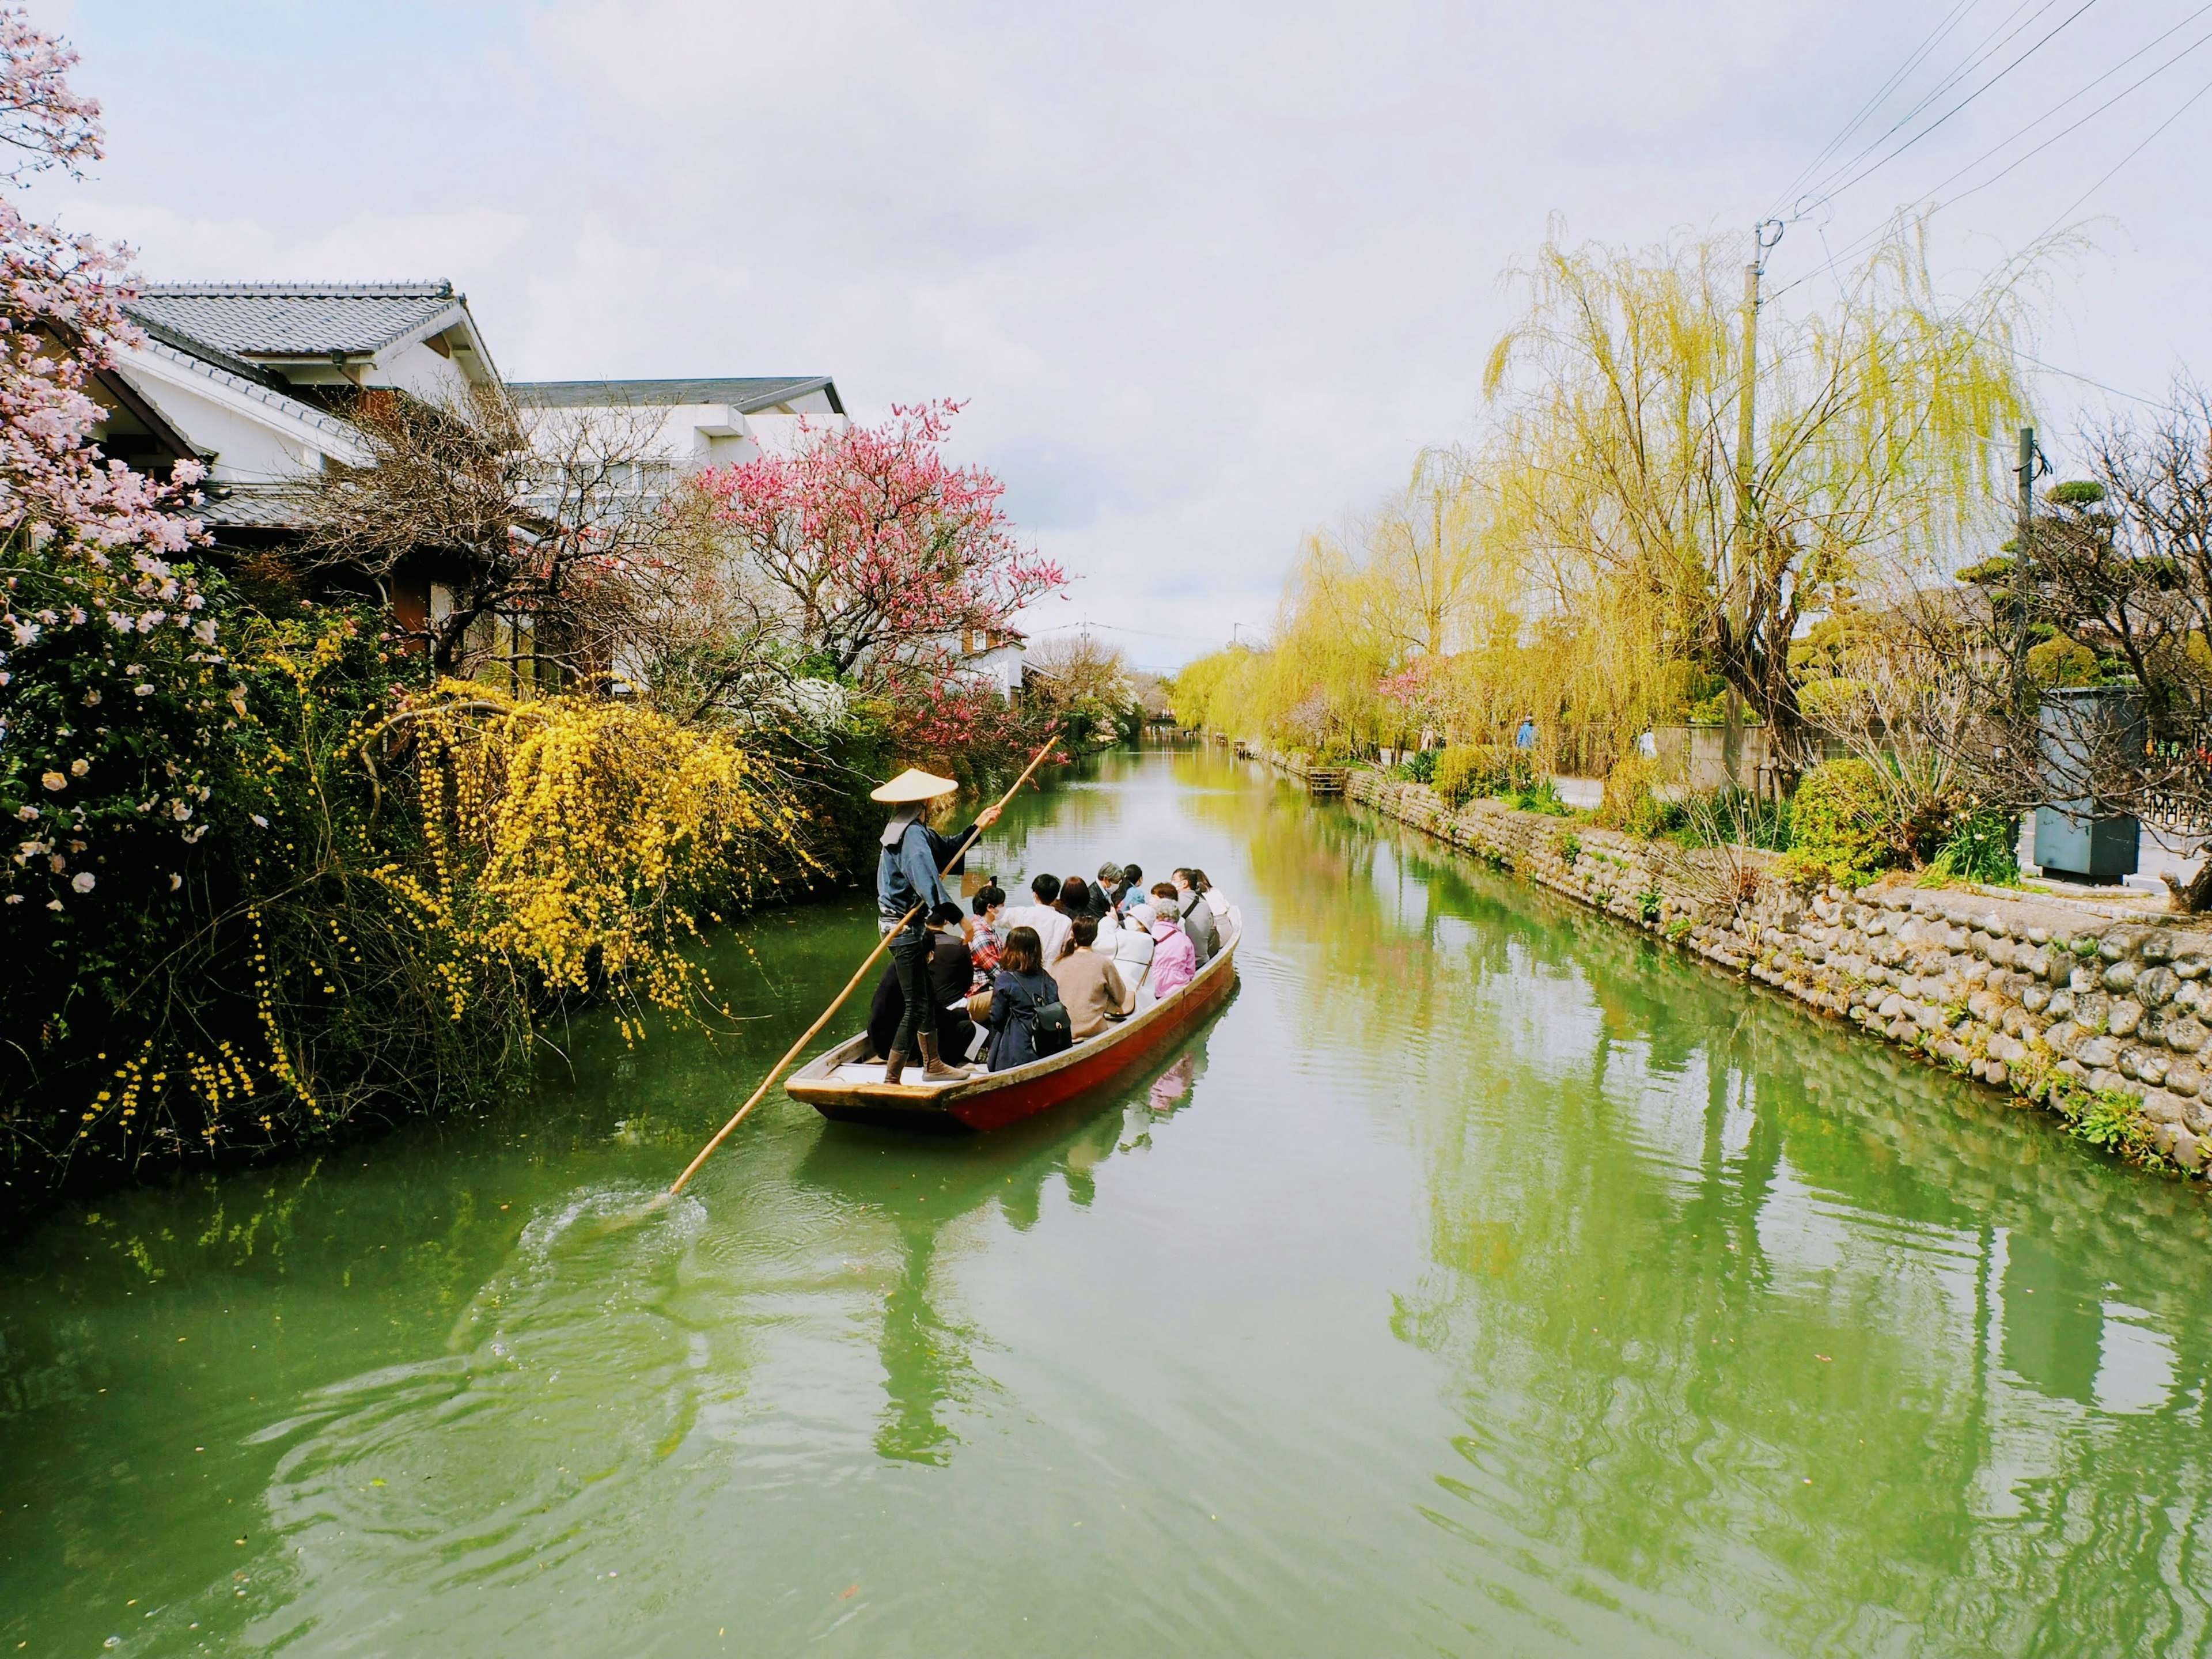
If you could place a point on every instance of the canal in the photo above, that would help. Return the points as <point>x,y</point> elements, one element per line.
<point>1481,1279</point>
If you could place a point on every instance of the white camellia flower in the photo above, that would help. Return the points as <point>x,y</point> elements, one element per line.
<point>259,819</point>
<point>83,881</point>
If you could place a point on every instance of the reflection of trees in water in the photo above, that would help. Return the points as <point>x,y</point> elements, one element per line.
<point>1690,1252</point>
<point>927,1355</point>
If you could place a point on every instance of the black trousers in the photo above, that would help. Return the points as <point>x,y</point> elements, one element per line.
<point>911,963</point>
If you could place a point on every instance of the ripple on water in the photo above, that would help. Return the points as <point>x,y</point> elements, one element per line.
<point>568,1387</point>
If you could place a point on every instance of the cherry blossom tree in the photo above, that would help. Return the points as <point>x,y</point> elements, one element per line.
<point>874,554</point>
<point>106,650</point>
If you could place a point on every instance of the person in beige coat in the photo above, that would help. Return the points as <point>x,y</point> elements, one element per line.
<point>1091,987</point>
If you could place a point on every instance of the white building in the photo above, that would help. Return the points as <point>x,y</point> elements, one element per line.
<point>245,375</point>
<point>705,423</point>
<point>253,379</point>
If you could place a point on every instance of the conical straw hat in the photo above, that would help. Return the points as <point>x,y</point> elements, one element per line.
<point>911,785</point>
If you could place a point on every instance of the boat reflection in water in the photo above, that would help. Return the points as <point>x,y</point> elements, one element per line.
<point>927,1354</point>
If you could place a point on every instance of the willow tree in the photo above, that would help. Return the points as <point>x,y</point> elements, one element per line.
<point>1618,396</point>
<point>1429,581</point>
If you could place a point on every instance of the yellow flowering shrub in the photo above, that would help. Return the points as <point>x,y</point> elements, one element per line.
<point>577,843</point>
<point>382,890</point>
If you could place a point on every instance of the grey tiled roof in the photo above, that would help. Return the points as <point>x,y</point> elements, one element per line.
<point>236,320</point>
<point>748,396</point>
<point>266,506</point>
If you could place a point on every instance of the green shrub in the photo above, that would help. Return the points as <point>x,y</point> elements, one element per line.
<point>1569,847</point>
<point>1729,816</point>
<point>1843,827</point>
<point>1419,768</point>
<point>1632,801</point>
<point>1468,772</point>
<point>1541,796</point>
<point>1980,847</point>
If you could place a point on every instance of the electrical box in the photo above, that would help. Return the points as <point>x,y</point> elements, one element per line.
<point>2082,726</point>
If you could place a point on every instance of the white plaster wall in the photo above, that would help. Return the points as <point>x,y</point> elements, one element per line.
<point>418,369</point>
<point>786,435</point>
<point>247,449</point>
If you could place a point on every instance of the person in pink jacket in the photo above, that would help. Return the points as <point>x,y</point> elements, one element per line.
<point>1174,961</point>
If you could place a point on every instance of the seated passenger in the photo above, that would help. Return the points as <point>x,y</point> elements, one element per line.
<point>886,1009</point>
<point>1111,888</point>
<point>1132,943</point>
<point>1127,888</point>
<point>1074,901</point>
<point>1196,881</point>
<point>983,943</point>
<point>1174,960</point>
<point>1090,985</point>
<point>1020,987</point>
<point>1043,918</point>
<point>1197,920</point>
<point>950,971</point>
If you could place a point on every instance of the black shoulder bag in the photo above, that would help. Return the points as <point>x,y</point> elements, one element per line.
<point>1050,1031</point>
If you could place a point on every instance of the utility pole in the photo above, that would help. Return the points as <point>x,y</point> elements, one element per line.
<point>1764,235</point>
<point>2023,566</point>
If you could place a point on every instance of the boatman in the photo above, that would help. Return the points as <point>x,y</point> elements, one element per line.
<point>907,880</point>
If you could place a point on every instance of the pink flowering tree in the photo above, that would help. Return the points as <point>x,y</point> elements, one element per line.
<point>1421,694</point>
<point>108,653</point>
<point>874,556</point>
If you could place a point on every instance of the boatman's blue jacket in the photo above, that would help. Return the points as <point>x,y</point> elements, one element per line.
<point>906,875</point>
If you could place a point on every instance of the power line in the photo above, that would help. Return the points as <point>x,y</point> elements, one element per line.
<point>1897,78</point>
<point>1825,192</point>
<point>1875,235</point>
<point>2073,374</point>
<point>1975,57</point>
<point>2125,160</point>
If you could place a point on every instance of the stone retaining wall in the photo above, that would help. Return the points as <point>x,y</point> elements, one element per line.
<point>2102,1017</point>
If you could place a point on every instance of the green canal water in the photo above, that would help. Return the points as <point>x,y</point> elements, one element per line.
<point>1481,1279</point>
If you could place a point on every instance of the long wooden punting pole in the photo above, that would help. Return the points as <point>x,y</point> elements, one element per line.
<point>881,944</point>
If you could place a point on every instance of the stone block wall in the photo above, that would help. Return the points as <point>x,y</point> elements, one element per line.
<point>2101,1017</point>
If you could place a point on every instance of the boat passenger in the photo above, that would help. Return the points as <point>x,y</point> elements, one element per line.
<point>1197,919</point>
<point>886,1009</point>
<point>1107,891</point>
<point>1132,943</point>
<point>1043,917</point>
<point>1207,891</point>
<point>951,969</point>
<point>1174,959</point>
<point>1020,987</point>
<point>1074,901</point>
<point>907,887</point>
<point>983,940</point>
<point>1091,987</point>
<point>1129,889</point>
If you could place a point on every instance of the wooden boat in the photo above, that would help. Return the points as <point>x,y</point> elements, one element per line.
<point>844,1084</point>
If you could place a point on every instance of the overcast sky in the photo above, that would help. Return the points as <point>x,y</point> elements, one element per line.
<point>1206,275</point>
